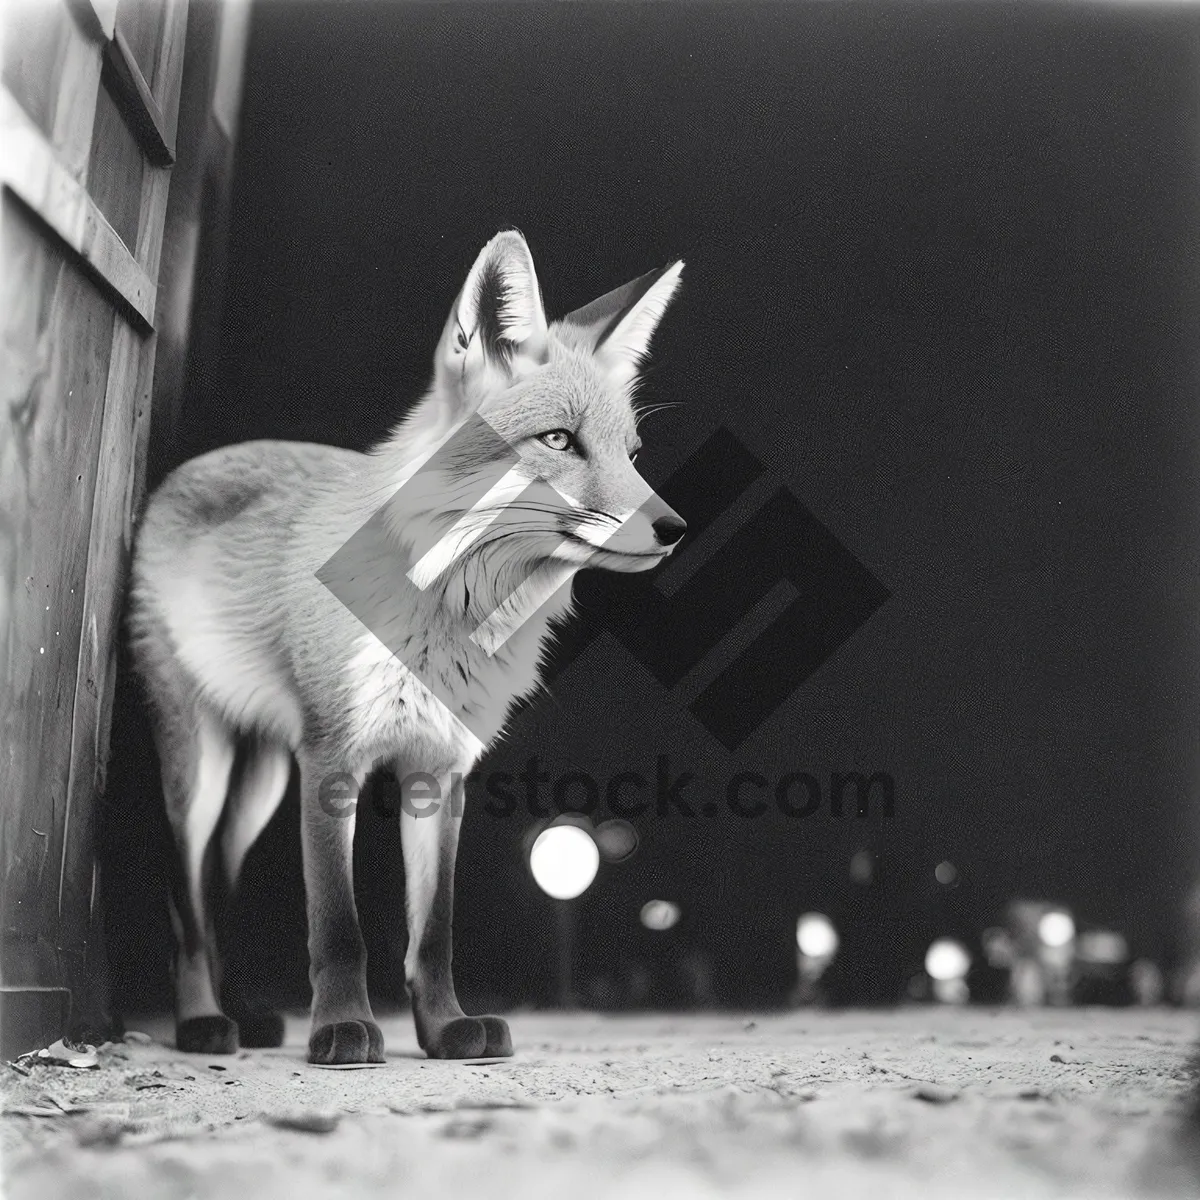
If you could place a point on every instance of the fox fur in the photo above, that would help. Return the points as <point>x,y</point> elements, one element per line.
<point>246,655</point>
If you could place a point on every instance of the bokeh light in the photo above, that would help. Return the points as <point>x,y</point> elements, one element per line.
<point>945,873</point>
<point>816,936</point>
<point>660,915</point>
<point>1056,928</point>
<point>1105,947</point>
<point>947,959</point>
<point>617,840</point>
<point>998,947</point>
<point>564,861</point>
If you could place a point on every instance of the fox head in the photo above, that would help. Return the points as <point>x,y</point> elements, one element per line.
<point>538,427</point>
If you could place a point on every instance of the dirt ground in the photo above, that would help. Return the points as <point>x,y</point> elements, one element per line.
<point>914,1103</point>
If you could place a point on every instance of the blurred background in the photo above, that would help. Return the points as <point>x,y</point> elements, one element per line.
<point>941,290</point>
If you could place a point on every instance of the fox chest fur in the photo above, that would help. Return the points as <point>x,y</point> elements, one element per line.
<point>439,699</point>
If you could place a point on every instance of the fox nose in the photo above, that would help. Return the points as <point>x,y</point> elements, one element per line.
<point>669,530</point>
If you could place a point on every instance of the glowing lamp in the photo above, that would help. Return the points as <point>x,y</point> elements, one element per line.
<point>564,861</point>
<point>1056,929</point>
<point>816,936</point>
<point>947,959</point>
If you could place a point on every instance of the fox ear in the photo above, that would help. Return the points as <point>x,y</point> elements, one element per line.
<point>621,323</point>
<point>497,323</point>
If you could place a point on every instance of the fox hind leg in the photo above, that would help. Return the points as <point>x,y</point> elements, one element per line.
<point>257,790</point>
<point>252,802</point>
<point>196,752</point>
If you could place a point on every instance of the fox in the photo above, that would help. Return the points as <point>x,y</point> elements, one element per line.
<point>468,523</point>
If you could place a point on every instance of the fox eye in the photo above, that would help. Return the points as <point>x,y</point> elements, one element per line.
<point>557,439</point>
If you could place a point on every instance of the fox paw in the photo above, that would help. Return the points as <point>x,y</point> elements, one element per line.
<point>207,1035</point>
<point>499,1040</point>
<point>460,1037</point>
<point>346,1042</point>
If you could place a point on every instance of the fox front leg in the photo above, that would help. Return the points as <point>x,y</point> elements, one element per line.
<point>430,819</point>
<point>343,1028</point>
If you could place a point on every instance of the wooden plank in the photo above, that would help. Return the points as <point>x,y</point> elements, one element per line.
<point>168,75</point>
<point>156,181</point>
<point>117,169</point>
<point>75,111</point>
<point>51,67</point>
<point>140,24</point>
<point>117,498</point>
<point>195,233</point>
<point>30,170</point>
<point>58,337</point>
<point>129,87</point>
<point>36,40</point>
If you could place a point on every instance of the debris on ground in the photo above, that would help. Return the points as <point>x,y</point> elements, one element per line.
<point>60,1054</point>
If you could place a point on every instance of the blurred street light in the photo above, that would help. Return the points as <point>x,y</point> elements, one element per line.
<point>1056,928</point>
<point>1104,947</point>
<point>947,963</point>
<point>1056,932</point>
<point>816,936</point>
<point>660,915</point>
<point>816,944</point>
<point>564,861</point>
<point>947,959</point>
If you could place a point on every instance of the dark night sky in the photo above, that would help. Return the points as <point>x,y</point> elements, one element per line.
<point>941,280</point>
